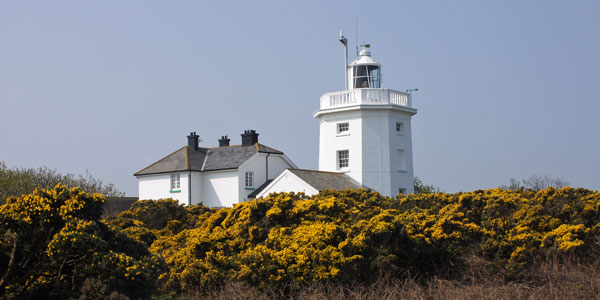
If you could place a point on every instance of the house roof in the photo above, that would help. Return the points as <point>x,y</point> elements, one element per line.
<point>206,159</point>
<point>259,189</point>
<point>321,180</point>
<point>316,180</point>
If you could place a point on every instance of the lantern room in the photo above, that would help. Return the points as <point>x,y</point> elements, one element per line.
<point>364,72</point>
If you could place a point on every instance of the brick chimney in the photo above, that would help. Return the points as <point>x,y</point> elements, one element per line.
<point>249,138</point>
<point>193,140</point>
<point>224,141</point>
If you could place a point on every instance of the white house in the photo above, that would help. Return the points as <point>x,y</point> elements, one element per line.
<point>365,134</point>
<point>217,177</point>
<point>364,141</point>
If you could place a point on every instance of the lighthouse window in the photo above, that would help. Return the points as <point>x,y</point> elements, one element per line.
<point>343,158</point>
<point>399,127</point>
<point>367,76</point>
<point>343,127</point>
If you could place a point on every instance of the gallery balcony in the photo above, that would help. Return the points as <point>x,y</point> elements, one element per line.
<point>365,96</point>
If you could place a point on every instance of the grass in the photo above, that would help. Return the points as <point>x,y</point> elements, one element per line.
<point>551,280</point>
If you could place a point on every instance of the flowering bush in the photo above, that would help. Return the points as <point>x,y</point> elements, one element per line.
<point>357,235</point>
<point>512,229</point>
<point>54,243</point>
<point>53,240</point>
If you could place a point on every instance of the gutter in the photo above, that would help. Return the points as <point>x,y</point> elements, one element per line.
<point>167,172</point>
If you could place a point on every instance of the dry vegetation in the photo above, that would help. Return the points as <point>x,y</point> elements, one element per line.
<point>553,280</point>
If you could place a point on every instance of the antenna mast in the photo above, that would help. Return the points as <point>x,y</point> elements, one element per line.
<point>356,33</point>
<point>344,41</point>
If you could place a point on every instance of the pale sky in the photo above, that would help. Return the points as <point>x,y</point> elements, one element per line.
<point>506,88</point>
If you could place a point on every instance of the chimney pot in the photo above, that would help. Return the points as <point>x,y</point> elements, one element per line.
<point>249,138</point>
<point>224,141</point>
<point>193,140</point>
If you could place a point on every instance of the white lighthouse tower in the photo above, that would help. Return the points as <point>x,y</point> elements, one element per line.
<point>365,130</point>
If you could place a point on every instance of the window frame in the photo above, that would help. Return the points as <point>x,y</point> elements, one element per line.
<point>249,180</point>
<point>175,183</point>
<point>371,74</point>
<point>343,163</point>
<point>339,126</point>
<point>401,126</point>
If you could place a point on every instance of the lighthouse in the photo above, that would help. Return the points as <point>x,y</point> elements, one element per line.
<point>365,130</point>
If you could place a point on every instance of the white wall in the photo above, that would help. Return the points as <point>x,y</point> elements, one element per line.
<point>277,164</point>
<point>258,165</point>
<point>330,142</point>
<point>154,187</point>
<point>373,146</point>
<point>197,187</point>
<point>384,169</point>
<point>216,188</point>
<point>401,177</point>
<point>287,182</point>
<point>220,188</point>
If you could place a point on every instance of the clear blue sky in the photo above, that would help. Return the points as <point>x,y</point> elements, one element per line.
<point>507,88</point>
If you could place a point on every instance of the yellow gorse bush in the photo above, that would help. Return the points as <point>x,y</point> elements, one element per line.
<point>512,229</point>
<point>335,236</point>
<point>357,235</point>
<point>54,240</point>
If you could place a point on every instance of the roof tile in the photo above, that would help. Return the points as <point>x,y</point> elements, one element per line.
<point>321,180</point>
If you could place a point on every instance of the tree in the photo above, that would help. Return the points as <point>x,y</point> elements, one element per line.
<point>421,188</point>
<point>536,183</point>
<point>20,181</point>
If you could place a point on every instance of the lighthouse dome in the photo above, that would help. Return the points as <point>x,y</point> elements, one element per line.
<point>364,72</point>
<point>364,58</point>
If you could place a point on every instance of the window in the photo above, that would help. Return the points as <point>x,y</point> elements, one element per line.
<point>343,158</point>
<point>343,127</point>
<point>367,76</point>
<point>399,127</point>
<point>249,182</point>
<point>175,182</point>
